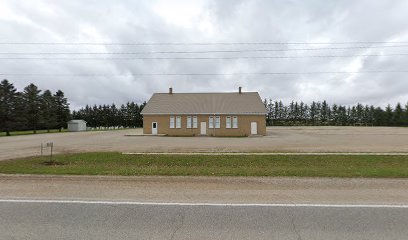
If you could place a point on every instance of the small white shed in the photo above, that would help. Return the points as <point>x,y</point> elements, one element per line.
<point>76,125</point>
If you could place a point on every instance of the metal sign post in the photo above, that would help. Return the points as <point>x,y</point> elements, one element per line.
<point>50,145</point>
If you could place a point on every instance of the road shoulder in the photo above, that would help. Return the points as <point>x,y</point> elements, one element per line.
<point>234,190</point>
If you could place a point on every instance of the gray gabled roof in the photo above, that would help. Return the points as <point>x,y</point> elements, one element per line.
<point>77,121</point>
<point>205,103</point>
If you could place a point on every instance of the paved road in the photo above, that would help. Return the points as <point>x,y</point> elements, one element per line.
<point>19,220</point>
<point>89,207</point>
<point>207,189</point>
<point>278,139</point>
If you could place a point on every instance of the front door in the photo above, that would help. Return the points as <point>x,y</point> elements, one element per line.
<point>203,129</point>
<point>254,128</point>
<point>154,128</point>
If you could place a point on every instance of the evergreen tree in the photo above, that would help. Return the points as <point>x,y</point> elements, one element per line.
<point>269,110</point>
<point>359,113</point>
<point>313,113</point>
<point>334,120</point>
<point>389,116</point>
<point>21,121</point>
<point>371,116</point>
<point>95,116</point>
<point>296,114</point>
<point>342,115</point>
<point>379,116</point>
<point>268,115</point>
<point>62,110</point>
<point>291,113</point>
<point>398,118</point>
<point>8,96</point>
<point>122,115</point>
<point>113,120</point>
<point>406,115</point>
<point>353,115</point>
<point>139,115</point>
<point>366,115</point>
<point>280,112</point>
<point>319,113</point>
<point>303,113</point>
<point>48,110</point>
<point>32,102</point>
<point>325,113</point>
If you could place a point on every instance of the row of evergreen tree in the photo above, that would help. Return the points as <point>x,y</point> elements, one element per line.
<point>127,115</point>
<point>34,109</point>
<point>321,113</point>
<point>31,109</point>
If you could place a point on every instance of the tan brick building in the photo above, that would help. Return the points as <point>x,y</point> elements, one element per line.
<point>205,114</point>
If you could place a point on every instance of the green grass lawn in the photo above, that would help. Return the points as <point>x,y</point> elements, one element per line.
<point>28,132</point>
<point>114,163</point>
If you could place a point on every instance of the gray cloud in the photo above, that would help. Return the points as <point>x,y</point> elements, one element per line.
<point>210,21</point>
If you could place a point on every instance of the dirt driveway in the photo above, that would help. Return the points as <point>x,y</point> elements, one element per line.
<point>278,139</point>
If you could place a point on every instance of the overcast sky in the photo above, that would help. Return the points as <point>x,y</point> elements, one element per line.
<point>378,28</point>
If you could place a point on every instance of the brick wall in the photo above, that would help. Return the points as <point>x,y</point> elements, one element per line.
<point>244,125</point>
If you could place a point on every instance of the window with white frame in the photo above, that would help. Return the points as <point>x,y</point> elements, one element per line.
<point>171,121</point>
<point>228,122</point>
<point>217,122</point>
<point>188,121</point>
<point>235,122</point>
<point>210,122</point>
<point>195,122</point>
<point>178,122</point>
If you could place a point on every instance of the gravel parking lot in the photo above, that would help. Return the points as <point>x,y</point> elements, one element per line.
<point>278,139</point>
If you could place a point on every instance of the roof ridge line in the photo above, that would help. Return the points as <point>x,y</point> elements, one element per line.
<point>202,92</point>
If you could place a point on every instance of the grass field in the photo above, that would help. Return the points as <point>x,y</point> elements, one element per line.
<point>29,132</point>
<point>114,163</point>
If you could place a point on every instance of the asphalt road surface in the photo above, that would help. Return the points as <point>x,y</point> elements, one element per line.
<point>111,207</point>
<point>64,220</point>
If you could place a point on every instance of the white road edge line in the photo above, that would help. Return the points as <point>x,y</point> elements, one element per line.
<point>206,204</point>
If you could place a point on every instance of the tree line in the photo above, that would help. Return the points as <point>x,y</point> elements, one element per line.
<point>323,114</point>
<point>108,116</point>
<point>31,109</point>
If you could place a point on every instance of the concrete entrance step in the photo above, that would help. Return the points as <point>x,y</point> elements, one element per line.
<point>143,135</point>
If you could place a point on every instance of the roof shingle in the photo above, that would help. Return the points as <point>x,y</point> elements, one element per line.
<point>205,103</point>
